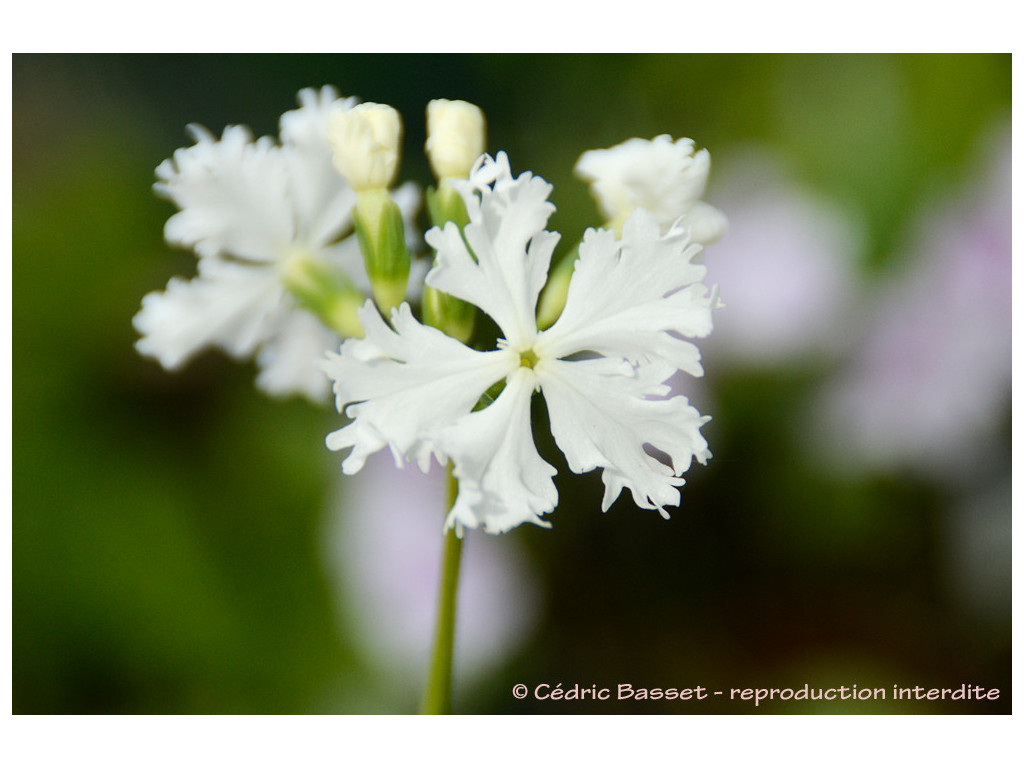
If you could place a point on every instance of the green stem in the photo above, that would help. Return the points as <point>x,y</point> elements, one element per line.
<point>437,698</point>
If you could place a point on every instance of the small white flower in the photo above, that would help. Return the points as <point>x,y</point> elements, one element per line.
<point>366,143</point>
<point>602,367</point>
<point>664,177</point>
<point>455,137</point>
<point>246,208</point>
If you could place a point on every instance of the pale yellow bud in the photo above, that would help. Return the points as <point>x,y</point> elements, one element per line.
<point>456,133</point>
<point>366,141</point>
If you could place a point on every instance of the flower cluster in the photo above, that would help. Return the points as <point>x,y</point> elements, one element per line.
<point>264,218</point>
<point>279,229</point>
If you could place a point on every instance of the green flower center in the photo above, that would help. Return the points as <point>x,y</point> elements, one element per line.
<point>528,359</point>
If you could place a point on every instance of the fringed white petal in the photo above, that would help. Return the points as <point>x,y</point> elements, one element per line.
<point>233,196</point>
<point>486,173</point>
<point>290,362</point>
<point>604,412</point>
<point>635,298</point>
<point>231,306</point>
<point>503,481</point>
<point>401,386</point>
<point>321,198</point>
<point>507,265</point>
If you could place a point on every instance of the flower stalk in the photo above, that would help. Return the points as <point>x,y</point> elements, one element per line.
<point>438,694</point>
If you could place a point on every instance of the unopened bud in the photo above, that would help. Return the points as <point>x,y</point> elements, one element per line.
<point>365,141</point>
<point>456,134</point>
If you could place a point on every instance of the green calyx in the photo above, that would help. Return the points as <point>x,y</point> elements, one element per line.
<point>555,293</point>
<point>444,204</point>
<point>381,233</point>
<point>325,291</point>
<point>455,317</point>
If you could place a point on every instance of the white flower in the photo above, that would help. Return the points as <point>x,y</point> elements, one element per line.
<point>455,137</point>
<point>664,177</point>
<point>602,367</point>
<point>365,141</point>
<point>247,209</point>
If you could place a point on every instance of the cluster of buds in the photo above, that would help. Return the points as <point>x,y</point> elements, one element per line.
<point>366,144</point>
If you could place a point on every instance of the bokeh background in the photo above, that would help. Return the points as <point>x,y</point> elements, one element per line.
<point>183,544</point>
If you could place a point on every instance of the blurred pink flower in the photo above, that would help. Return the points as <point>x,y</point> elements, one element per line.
<point>928,385</point>
<point>786,269</point>
<point>384,539</point>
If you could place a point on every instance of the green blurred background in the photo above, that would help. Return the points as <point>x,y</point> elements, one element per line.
<point>168,528</point>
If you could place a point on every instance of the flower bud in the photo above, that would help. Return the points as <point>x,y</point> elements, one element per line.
<point>456,132</point>
<point>366,141</point>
